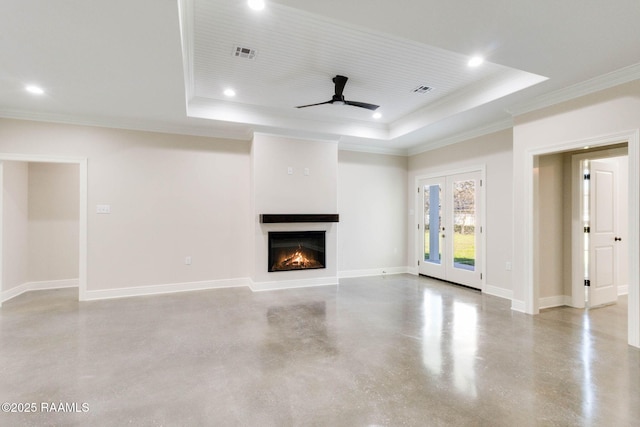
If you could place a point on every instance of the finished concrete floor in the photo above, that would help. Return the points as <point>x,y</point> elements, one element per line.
<point>381,351</point>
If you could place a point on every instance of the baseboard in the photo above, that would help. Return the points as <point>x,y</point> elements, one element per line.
<point>623,290</point>
<point>555,301</point>
<point>413,271</point>
<point>292,284</point>
<point>38,286</point>
<point>497,292</point>
<point>165,289</point>
<point>372,272</point>
<point>517,305</point>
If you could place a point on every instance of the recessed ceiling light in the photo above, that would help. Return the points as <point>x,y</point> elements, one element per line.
<point>377,115</point>
<point>587,147</point>
<point>256,4</point>
<point>230,93</point>
<point>36,90</point>
<point>475,61</point>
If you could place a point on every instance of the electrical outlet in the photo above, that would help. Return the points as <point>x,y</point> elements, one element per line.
<point>187,260</point>
<point>508,266</point>
<point>290,170</point>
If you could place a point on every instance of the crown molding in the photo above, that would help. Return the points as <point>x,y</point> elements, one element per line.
<point>605,81</point>
<point>125,124</point>
<point>347,146</point>
<point>461,137</point>
<point>299,136</point>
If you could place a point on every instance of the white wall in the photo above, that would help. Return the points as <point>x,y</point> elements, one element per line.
<point>623,222</point>
<point>171,196</point>
<point>607,112</point>
<point>54,210</point>
<point>372,201</point>
<point>276,191</point>
<point>598,116</point>
<point>494,151</point>
<point>15,224</point>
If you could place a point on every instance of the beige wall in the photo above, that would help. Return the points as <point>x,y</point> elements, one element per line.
<point>494,152</point>
<point>549,222</point>
<point>15,224</point>
<point>54,209</point>
<point>372,201</point>
<point>171,196</point>
<point>567,224</point>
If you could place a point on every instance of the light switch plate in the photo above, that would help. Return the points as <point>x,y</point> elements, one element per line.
<point>103,209</point>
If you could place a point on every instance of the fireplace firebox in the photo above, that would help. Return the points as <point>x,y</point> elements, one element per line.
<point>296,250</point>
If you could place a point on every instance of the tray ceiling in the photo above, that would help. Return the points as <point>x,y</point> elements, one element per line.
<point>298,53</point>
<point>162,65</point>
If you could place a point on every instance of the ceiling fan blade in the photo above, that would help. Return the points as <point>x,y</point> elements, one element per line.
<point>338,98</point>
<point>313,105</point>
<point>362,105</point>
<point>340,81</point>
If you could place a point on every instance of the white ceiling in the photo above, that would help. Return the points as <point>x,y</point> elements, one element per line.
<point>163,64</point>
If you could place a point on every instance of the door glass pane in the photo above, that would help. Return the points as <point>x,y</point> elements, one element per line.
<point>432,221</point>
<point>464,224</point>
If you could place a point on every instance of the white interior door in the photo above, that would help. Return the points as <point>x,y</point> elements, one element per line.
<point>451,228</point>
<point>603,241</point>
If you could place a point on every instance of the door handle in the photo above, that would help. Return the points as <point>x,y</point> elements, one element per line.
<point>618,239</point>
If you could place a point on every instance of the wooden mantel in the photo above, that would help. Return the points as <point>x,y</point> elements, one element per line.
<point>289,218</point>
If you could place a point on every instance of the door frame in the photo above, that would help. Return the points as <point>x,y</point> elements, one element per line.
<point>530,259</point>
<point>577,242</point>
<point>83,206</point>
<point>481,168</point>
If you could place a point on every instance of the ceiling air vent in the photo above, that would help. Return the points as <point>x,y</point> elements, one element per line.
<point>423,89</point>
<point>244,52</point>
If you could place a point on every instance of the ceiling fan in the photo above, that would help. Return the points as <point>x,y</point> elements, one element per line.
<point>338,98</point>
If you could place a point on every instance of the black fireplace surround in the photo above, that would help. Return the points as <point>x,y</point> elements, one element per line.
<point>296,250</point>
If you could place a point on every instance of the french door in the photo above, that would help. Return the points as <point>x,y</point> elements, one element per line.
<point>450,228</point>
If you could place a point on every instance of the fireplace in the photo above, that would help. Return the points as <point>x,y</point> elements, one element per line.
<point>296,250</point>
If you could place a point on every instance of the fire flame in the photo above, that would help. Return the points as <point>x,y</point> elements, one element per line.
<point>299,259</point>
